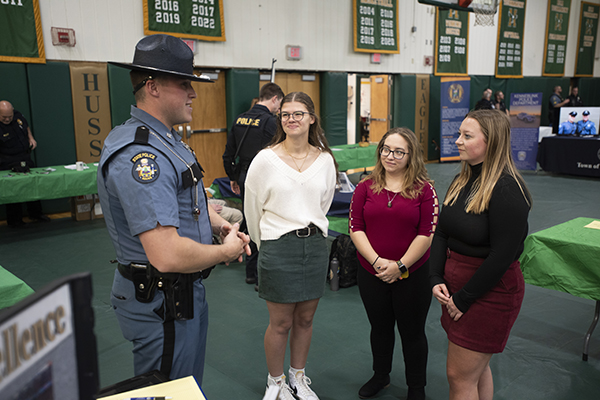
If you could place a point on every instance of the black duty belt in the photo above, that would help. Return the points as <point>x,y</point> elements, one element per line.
<point>127,272</point>
<point>306,232</point>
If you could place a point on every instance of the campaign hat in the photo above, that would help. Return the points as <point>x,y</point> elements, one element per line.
<point>573,113</point>
<point>164,54</point>
<point>586,112</point>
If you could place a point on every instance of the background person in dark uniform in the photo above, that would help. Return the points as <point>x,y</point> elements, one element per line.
<point>260,124</point>
<point>16,144</point>
<point>155,208</point>
<point>554,104</point>
<point>485,103</point>
<point>499,102</point>
<point>574,99</point>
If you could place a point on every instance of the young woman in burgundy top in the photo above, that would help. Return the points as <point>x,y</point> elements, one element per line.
<point>475,271</point>
<point>393,215</point>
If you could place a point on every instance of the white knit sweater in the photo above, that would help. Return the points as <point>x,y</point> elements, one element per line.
<point>279,199</point>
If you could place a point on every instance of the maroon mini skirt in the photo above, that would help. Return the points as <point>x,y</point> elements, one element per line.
<point>486,325</point>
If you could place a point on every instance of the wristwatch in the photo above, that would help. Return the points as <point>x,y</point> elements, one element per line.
<point>403,269</point>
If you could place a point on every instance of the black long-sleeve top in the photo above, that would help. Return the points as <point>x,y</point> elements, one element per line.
<point>497,235</point>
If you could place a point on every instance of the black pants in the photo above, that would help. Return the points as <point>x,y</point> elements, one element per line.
<point>14,211</point>
<point>403,303</point>
<point>252,259</point>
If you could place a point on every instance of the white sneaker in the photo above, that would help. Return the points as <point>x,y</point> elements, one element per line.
<point>299,384</point>
<point>285,393</point>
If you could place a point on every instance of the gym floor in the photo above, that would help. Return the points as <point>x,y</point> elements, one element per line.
<point>541,361</point>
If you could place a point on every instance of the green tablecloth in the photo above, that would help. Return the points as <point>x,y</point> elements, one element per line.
<point>565,257</point>
<point>12,289</point>
<point>37,185</point>
<point>351,156</point>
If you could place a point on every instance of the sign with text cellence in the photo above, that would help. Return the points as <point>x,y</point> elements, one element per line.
<point>586,42</point>
<point>191,19</point>
<point>509,51</point>
<point>557,27</point>
<point>451,38</point>
<point>21,38</point>
<point>454,103</point>
<point>375,26</point>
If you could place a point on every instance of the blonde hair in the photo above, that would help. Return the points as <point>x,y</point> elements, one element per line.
<point>498,160</point>
<point>415,175</point>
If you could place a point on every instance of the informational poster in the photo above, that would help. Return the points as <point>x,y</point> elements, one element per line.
<point>21,32</point>
<point>525,113</point>
<point>375,26</point>
<point>588,30</point>
<point>451,40</point>
<point>190,19</point>
<point>509,51</point>
<point>557,27</point>
<point>454,103</point>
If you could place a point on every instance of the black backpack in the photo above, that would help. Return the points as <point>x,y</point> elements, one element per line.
<point>344,250</point>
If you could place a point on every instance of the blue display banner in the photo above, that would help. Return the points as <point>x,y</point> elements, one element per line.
<point>525,113</point>
<point>454,103</point>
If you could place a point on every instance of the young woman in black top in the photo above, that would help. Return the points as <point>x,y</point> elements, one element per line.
<point>475,273</point>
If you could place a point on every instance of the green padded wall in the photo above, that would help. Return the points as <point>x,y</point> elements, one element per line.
<point>403,95</point>
<point>241,86</point>
<point>13,81</point>
<point>334,106</point>
<point>121,94</point>
<point>52,113</point>
<point>433,152</point>
<point>589,88</point>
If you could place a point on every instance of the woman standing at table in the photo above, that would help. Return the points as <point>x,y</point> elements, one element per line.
<point>392,217</point>
<point>289,188</point>
<point>475,271</point>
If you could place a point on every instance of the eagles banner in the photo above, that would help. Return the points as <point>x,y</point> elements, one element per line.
<point>21,32</point>
<point>588,29</point>
<point>454,103</point>
<point>509,52</point>
<point>557,27</point>
<point>451,39</point>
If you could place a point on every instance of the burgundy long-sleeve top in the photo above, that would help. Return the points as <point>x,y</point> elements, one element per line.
<point>391,230</point>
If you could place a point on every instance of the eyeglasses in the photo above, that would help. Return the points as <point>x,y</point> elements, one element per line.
<point>296,115</point>
<point>397,154</point>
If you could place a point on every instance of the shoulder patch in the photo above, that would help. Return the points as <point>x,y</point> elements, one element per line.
<point>145,168</point>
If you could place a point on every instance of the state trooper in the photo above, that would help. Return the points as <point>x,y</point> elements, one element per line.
<point>585,127</point>
<point>154,204</point>
<point>568,127</point>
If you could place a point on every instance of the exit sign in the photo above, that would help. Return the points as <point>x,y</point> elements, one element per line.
<point>293,52</point>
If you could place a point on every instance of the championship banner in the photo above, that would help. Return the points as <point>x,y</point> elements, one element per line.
<point>91,108</point>
<point>588,29</point>
<point>422,112</point>
<point>451,39</point>
<point>557,27</point>
<point>454,103</point>
<point>21,32</point>
<point>190,19</point>
<point>525,114</point>
<point>509,52</point>
<point>375,26</point>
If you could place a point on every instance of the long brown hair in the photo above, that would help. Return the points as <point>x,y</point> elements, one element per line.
<point>498,160</point>
<point>316,135</point>
<point>415,175</point>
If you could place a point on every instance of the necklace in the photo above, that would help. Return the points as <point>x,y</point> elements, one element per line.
<point>294,158</point>
<point>387,192</point>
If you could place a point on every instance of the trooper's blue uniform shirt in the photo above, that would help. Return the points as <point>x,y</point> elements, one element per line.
<point>567,128</point>
<point>586,128</point>
<point>140,186</point>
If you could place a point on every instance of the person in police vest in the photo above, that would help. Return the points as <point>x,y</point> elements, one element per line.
<point>155,208</point>
<point>16,145</point>
<point>251,132</point>
<point>585,127</point>
<point>568,127</point>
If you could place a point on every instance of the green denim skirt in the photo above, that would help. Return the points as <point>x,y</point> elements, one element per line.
<point>292,269</point>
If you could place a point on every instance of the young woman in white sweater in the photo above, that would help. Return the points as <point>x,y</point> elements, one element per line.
<point>289,188</point>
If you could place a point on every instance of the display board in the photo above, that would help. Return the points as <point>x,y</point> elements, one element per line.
<point>191,19</point>
<point>21,32</point>
<point>557,28</point>
<point>586,42</point>
<point>375,26</point>
<point>509,51</point>
<point>454,103</point>
<point>451,42</point>
<point>525,115</point>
